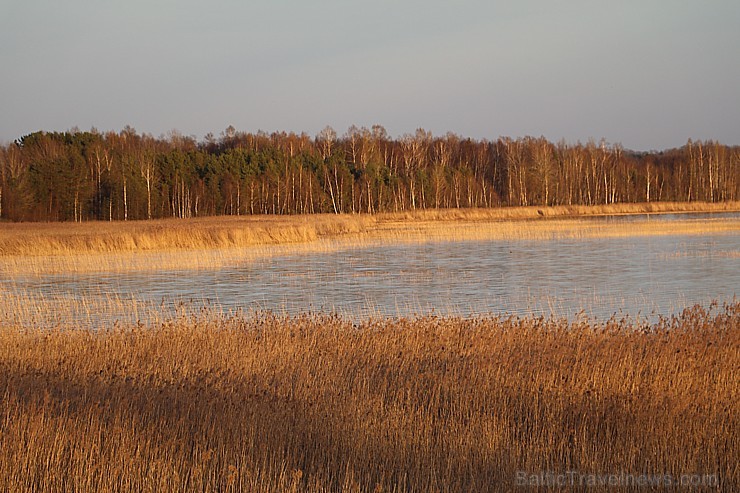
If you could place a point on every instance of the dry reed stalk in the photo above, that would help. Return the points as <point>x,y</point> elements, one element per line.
<point>314,403</point>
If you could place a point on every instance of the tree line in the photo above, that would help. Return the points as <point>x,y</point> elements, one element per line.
<point>80,176</point>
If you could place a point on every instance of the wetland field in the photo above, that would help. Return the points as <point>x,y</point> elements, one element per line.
<point>478,350</point>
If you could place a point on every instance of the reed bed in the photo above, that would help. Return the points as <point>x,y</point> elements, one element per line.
<point>23,307</point>
<point>212,243</point>
<point>42,239</point>
<point>210,402</point>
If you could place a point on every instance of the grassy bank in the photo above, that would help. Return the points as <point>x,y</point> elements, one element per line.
<point>247,231</point>
<point>313,403</point>
<point>211,243</point>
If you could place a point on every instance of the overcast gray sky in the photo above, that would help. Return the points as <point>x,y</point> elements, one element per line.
<point>646,73</point>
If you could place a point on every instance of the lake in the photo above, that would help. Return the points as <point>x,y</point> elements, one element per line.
<point>600,277</point>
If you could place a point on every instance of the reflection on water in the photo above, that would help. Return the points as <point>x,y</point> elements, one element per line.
<point>640,276</point>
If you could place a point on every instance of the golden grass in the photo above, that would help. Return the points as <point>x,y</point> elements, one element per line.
<point>211,243</point>
<point>314,403</point>
<point>31,308</point>
<point>246,231</point>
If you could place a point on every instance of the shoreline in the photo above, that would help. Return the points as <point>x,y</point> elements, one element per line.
<point>228,232</point>
<point>39,249</point>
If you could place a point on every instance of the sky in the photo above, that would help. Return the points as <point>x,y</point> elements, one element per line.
<point>648,74</point>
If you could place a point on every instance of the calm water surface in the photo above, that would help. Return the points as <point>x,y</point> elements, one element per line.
<point>639,276</point>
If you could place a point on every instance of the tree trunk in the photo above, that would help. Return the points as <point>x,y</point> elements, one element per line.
<point>125,201</point>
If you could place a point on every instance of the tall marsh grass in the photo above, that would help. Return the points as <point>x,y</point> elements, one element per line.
<point>315,403</point>
<point>36,239</point>
<point>211,243</point>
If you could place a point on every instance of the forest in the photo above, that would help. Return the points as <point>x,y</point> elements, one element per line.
<point>91,175</point>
